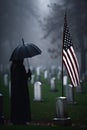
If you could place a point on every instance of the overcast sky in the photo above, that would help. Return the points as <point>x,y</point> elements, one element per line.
<point>22,17</point>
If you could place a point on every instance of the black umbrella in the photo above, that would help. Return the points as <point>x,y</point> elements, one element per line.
<point>25,51</point>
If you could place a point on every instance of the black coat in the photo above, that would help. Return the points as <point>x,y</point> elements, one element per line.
<point>20,103</point>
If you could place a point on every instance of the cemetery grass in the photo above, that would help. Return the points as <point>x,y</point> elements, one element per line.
<point>44,111</point>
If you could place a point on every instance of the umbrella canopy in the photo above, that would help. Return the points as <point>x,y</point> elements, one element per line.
<point>25,51</point>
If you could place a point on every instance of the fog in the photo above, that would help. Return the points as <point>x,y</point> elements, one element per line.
<point>21,19</point>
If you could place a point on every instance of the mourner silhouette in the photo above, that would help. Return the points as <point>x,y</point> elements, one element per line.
<point>20,103</point>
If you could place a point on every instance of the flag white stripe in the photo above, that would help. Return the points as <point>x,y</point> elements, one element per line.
<point>75,57</point>
<point>76,62</point>
<point>66,64</point>
<point>69,62</point>
<point>69,65</point>
<point>74,65</point>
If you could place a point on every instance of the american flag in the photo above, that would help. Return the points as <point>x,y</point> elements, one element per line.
<point>69,57</point>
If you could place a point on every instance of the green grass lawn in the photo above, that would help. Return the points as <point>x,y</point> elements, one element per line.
<point>45,110</point>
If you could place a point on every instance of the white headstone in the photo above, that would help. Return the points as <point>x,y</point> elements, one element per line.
<point>69,93</point>
<point>32,78</point>
<point>49,77</point>
<point>53,84</point>
<point>59,72</point>
<point>46,74</point>
<point>1,95</point>
<point>65,80</point>
<point>37,91</point>
<point>53,70</point>
<point>6,79</point>
<point>38,71</point>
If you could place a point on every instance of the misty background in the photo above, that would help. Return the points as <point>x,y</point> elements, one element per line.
<point>41,22</point>
<point>20,19</point>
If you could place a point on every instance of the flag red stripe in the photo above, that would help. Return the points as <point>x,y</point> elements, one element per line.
<point>72,66</point>
<point>75,63</point>
<point>72,59</point>
<point>75,58</point>
<point>68,70</point>
<point>69,65</point>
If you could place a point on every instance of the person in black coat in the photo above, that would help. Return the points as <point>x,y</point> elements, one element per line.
<point>20,103</point>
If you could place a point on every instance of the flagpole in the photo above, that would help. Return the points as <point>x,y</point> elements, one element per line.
<point>62,74</point>
<point>62,59</point>
<point>62,65</point>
